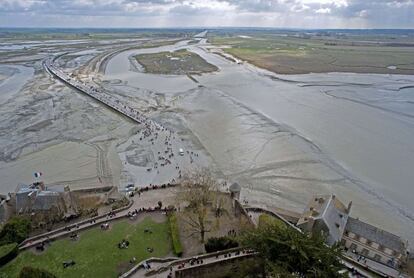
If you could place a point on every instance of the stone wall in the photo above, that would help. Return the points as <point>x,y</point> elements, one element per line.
<point>231,267</point>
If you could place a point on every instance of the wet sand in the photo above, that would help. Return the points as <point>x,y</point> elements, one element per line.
<point>303,141</point>
<point>283,138</point>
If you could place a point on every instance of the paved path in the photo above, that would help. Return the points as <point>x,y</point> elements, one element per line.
<point>162,270</point>
<point>147,199</point>
<point>102,97</point>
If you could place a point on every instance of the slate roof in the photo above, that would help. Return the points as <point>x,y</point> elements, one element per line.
<point>375,234</point>
<point>235,187</point>
<point>328,211</point>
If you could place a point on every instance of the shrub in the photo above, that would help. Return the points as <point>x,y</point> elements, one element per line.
<point>214,244</point>
<point>8,252</point>
<point>31,272</point>
<point>120,203</point>
<point>15,230</point>
<point>175,236</point>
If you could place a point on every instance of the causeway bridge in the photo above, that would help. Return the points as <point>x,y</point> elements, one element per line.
<point>100,96</point>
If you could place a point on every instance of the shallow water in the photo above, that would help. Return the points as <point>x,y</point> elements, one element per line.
<point>14,82</point>
<point>119,68</point>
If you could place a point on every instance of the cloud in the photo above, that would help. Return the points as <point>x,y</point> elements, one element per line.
<point>273,13</point>
<point>323,11</point>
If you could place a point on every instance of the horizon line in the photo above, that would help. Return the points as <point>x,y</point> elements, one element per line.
<point>202,27</point>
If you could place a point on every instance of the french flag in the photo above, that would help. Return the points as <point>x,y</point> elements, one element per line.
<point>37,174</point>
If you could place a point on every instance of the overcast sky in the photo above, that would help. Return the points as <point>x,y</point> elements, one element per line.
<point>204,13</point>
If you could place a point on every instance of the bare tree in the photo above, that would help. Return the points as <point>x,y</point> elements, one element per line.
<point>199,191</point>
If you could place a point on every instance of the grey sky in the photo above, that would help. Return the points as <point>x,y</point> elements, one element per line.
<point>184,13</point>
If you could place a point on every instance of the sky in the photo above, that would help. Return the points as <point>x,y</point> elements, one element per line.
<point>208,13</point>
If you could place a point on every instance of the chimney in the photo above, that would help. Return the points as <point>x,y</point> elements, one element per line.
<point>349,207</point>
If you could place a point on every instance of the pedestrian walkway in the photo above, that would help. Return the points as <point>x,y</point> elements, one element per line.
<point>167,270</point>
<point>102,97</point>
<point>138,204</point>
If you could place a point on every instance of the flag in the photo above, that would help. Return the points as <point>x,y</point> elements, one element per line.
<point>37,174</point>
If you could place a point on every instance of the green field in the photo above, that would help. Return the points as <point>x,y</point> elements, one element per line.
<point>178,62</point>
<point>294,55</point>
<point>96,252</point>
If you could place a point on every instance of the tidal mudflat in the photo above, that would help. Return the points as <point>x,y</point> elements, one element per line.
<point>283,138</point>
<point>288,137</point>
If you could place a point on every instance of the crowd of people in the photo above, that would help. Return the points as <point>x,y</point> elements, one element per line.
<point>200,260</point>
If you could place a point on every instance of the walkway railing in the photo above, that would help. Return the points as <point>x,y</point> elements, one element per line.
<point>63,231</point>
<point>95,93</point>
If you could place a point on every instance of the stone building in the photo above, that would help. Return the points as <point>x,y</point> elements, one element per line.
<point>329,216</point>
<point>35,197</point>
<point>374,243</point>
<point>325,214</point>
<point>235,190</point>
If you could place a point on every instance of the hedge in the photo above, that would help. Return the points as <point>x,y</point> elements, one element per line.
<point>214,244</point>
<point>16,230</point>
<point>8,252</point>
<point>175,236</point>
<point>31,272</point>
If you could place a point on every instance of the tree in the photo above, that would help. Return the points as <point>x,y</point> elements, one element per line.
<point>16,230</point>
<point>289,253</point>
<point>198,193</point>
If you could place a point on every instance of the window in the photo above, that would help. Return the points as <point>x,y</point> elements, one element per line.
<point>365,252</point>
<point>377,258</point>
<point>353,246</point>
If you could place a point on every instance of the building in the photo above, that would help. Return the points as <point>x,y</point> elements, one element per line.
<point>325,214</point>
<point>373,243</point>
<point>328,215</point>
<point>235,190</point>
<point>35,197</point>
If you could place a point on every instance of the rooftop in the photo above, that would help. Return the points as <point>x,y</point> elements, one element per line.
<point>375,234</point>
<point>328,211</point>
<point>235,187</point>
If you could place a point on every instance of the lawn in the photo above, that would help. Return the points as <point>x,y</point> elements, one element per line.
<point>265,219</point>
<point>96,252</point>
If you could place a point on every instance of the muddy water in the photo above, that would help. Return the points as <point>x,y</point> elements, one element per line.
<point>288,137</point>
<point>119,67</point>
<point>16,78</point>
